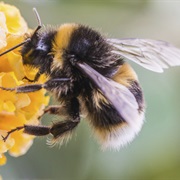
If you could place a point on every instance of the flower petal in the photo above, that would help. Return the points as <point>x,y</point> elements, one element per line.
<point>15,23</point>
<point>16,109</point>
<point>3,30</point>
<point>2,160</point>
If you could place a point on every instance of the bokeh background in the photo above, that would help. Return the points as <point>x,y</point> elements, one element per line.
<point>155,153</point>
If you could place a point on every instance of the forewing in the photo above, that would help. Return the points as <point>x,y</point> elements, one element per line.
<point>118,95</point>
<point>151,54</point>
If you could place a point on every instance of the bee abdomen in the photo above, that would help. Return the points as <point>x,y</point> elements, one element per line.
<point>138,94</point>
<point>109,126</point>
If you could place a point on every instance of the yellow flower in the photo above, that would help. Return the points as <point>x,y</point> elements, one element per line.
<point>16,109</point>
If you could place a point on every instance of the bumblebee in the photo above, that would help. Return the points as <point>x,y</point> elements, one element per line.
<point>88,74</point>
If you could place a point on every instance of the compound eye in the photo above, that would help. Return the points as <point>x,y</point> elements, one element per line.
<point>41,46</point>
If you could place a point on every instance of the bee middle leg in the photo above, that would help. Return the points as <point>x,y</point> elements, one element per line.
<point>60,128</point>
<point>54,110</point>
<point>61,110</point>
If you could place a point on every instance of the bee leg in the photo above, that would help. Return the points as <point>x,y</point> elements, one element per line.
<point>36,87</point>
<point>55,110</point>
<point>24,89</point>
<point>61,110</point>
<point>63,128</point>
<point>36,78</point>
<point>30,129</point>
<point>57,129</point>
<point>11,131</point>
<point>71,108</point>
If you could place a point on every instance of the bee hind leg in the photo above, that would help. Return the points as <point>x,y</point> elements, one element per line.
<point>62,130</point>
<point>29,129</point>
<point>4,138</point>
<point>59,130</point>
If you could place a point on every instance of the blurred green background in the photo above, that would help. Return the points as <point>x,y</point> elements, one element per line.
<point>155,153</point>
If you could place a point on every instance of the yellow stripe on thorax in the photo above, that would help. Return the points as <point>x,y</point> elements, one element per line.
<point>61,42</point>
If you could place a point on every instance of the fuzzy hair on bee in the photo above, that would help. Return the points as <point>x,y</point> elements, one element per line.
<point>89,74</point>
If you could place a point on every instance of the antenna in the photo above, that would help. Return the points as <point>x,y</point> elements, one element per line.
<point>18,45</point>
<point>38,20</point>
<point>28,39</point>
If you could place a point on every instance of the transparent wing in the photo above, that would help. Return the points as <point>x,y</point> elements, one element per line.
<point>118,95</point>
<point>151,54</point>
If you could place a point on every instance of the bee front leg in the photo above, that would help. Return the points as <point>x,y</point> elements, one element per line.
<point>36,78</point>
<point>36,87</point>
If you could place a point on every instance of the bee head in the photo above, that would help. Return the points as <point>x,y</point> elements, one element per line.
<point>30,49</point>
<point>37,49</point>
